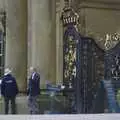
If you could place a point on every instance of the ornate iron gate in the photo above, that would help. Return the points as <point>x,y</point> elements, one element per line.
<point>112,63</point>
<point>83,72</point>
<point>92,71</point>
<point>85,63</point>
<point>83,68</point>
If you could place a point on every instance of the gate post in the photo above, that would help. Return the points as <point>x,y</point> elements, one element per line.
<point>71,58</point>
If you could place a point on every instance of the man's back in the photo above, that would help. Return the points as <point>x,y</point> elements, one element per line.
<point>9,86</point>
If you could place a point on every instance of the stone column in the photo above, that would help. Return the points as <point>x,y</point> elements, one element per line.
<point>59,42</point>
<point>29,48</point>
<point>16,40</point>
<point>2,5</point>
<point>2,35</point>
<point>43,41</point>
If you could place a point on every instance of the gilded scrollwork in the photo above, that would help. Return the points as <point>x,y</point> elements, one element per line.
<point>115,69</point>
<point>105,41</point>
<point>111,40</point>
<point>70,59</point>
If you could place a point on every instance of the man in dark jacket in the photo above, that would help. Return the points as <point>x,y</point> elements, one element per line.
<point>33,91</point>
<point>9,90</point>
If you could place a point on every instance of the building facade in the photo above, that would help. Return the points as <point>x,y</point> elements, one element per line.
<point>34,33</point>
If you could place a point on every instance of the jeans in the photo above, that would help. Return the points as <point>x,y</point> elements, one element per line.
<point>33,104</point>
<point>13,105</point>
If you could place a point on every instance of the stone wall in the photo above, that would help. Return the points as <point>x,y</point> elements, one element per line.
<point>99,17</point>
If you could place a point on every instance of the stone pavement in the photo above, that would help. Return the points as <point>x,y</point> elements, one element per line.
<point>23,110</point>
<point>45,104</point>
<point>62,117</point>
<point>21,103</point>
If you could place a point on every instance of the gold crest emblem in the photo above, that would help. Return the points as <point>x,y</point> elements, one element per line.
<point>108,42</point>
<point>111,41</point>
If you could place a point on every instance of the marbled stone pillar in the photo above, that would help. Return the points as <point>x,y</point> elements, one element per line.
<point>16,40</point>
<point>42,39</point>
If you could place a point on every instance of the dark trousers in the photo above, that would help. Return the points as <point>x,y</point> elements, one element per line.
<point>13,105</point>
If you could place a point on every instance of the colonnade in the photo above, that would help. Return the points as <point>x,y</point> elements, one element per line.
<point>30,38</point>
